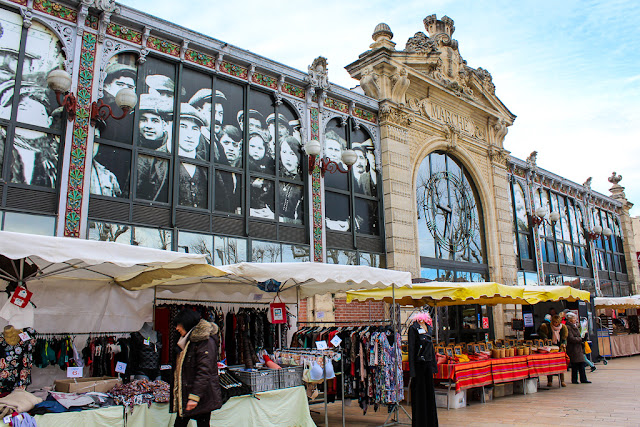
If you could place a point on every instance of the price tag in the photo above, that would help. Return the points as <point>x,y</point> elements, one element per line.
<point>24,336</point>
<point>422,331</point>
<point>165,367</point>
<point>121,367</point>
<point>7,419</point>
<point>320,314</point>
<point>321,345</point>
<point>74,372</point>
<point>146,342</point>
<point>336,341</point>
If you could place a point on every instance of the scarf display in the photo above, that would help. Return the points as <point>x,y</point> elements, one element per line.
<point>555,332</point>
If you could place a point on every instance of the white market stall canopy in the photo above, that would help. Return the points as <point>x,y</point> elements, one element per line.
<point>617,302</point>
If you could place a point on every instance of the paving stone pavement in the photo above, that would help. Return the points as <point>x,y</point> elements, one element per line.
<point>613,399</point>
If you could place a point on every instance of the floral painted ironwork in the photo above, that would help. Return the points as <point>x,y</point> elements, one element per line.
<point>334,104</point>
<point>91,21</point>
<point>294,90</point>
<point>264,80</point>
<point>364,115</point>
<point>163,46</point>
<point>124,33</point>
<point>20,2</point>
<point>316,198</point>
<point>79,137</point>
<point>56,9</point>
<point>233,70</point>
<point>200,58</point>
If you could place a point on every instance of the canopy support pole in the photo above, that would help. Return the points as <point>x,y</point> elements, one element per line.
<point>435,316</point>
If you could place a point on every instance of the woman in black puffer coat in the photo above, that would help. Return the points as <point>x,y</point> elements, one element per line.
<point>196,388</point>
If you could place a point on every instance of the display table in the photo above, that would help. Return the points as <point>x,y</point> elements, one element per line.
<point>547,364</point>
<point>509,369</point>
<point>466,375</point>
<point>625,345</point>
<point>270,408</point>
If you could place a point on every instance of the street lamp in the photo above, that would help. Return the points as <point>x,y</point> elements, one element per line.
<point>313,149</point>
<point>60,82</point>
<point>539,216</point>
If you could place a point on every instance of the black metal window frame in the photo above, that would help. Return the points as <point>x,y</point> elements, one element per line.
<point>244,226</point>
<point>609,251</point>
<point>18,197</point>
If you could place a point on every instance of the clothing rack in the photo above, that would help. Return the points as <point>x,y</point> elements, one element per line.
<point>205,302</point>
<point>357,322</point>
<point>50,334</point>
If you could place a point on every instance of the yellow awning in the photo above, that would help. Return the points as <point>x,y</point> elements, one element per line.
<point>461,293</point>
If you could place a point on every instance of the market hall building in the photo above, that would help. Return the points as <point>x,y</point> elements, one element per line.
<point>211,159</point>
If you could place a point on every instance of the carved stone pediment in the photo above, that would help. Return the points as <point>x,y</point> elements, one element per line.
<point>420,43</point>
<point>388,113</point>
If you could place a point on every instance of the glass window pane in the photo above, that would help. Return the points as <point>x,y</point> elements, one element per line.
<point>107,232</point>
<point>334,144</point>
<point>446,276</point>
<point>568,251</point>
<point>153,179</point>
<point>339,256</point>
<point>365,176</point>
<point>228,131</point>
<point>262,198</point>
<point>155,114</point>
<point>266,251</point>
<point>261,158</point>
<point>366,216</point>
<point>523,239</point>
<point>193,243</point>
<point>152,238</point>
<point>191,142</point>
<point>229,250</point>
<point>291,158</point>
<point>193,186</point>
<point>531,279</point>
<point>291,200</point>
<point>122,73</point>
<point>35,158</point>
<point>551,251</point>
<point>429,273</point>
<point>477,277</point>
<point>228,191</point>
<point>561,258</point>
<point>295,253</point>
<point>37,102</point>
<point>110,171</point>
<point>10,42</point>
<point>196,91</point>
<point>3,135</point>
<point>261,107</point>
<point>337,216</point>
<point>521,278</point>
<point>463,276</point>
<point>29,224</point>
<point>369,259</point>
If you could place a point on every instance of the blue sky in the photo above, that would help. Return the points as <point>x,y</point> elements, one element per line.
<point>570,70</point>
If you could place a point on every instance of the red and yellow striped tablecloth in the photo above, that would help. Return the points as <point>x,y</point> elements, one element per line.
<point>466,375</point>
<point>509,369</point>
<point>546,364</point>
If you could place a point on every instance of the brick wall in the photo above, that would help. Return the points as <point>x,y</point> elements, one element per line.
<point>358,311</point>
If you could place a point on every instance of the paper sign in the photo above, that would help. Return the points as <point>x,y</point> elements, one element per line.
<point>7,419</point>
<point>421,331</point>
<point>321,345</point>
<point>146,342</point>
<point>528,320</point>
<point>485,323</point>
<point>24,336</point>
<point>74,372</point>
<point>165,367</point>
<point>121,367</point>
<point>320,314</point>
<point>336,341</point>
<point>21,297</point>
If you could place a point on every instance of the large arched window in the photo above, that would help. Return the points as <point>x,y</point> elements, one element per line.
<point>450,221</point>
<point>31,123</point>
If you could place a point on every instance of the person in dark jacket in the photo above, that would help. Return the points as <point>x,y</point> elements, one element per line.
<point>422,367</point>
<point>575,350</point>
<point>196,388</point>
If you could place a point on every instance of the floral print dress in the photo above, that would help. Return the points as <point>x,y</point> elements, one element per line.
<point>16,362</point>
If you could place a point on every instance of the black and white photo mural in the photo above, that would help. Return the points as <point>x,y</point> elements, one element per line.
<point>29,113</point>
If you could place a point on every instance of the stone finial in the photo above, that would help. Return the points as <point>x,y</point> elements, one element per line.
<point>587,183</point>
<point>532,159</point>
<point>615,178</point>
<point>318,77</point>
<point>434,26</point>
<point>382,36</point>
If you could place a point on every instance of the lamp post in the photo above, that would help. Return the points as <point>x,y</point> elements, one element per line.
<point>539,216</point>
<point>313,149</point>
<point>60,82</point>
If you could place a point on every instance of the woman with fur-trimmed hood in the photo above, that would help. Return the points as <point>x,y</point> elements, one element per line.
<point>196,389</point>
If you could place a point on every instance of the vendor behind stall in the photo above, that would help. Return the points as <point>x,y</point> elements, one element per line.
<point>196,389</point>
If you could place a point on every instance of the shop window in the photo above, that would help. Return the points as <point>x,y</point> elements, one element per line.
<point>521,221</point>
<point>28,224</point>
<point>295,253</point>
<point>108,232</point>
<point>229,250</point>
<point>371,260</point>
<point>339,256</point>
<point>152,238</point>
<point>193,243</point>
<point>276,252</point>
<point>31,123</point>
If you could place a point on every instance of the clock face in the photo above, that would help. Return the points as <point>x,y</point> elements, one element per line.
<point>449,210</point>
